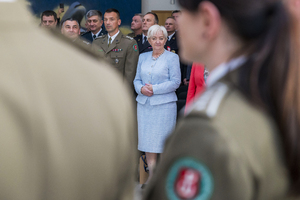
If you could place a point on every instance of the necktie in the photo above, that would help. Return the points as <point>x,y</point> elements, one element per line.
<point>94,36</point>
<point>145,39</point>
<point>109,41</point>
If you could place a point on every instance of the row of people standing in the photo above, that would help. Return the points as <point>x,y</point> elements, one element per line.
<point>157,73</point>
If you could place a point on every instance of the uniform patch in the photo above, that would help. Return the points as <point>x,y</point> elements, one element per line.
<point>135,48</point>
<point>189,179</point>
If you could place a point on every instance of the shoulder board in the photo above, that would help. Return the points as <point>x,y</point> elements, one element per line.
<point>129,37</point>
<point>85,42</point>
<point>209,102</point>
<point>101,36</point>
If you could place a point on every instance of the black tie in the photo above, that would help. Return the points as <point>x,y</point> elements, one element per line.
<point>145,39</point>
<point>94,36</point>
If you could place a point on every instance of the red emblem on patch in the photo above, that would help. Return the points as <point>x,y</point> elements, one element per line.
<point>188,183</point>
<point>168,48</point>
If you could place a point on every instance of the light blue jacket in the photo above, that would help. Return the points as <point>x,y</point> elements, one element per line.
<point>163,74</point>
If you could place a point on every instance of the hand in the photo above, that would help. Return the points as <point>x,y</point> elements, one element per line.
<point>145,91</point>
<point>185,82</point>
<point>149,86</point>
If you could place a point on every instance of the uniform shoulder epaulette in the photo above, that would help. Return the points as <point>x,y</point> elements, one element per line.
<point>100,37</point>
<point>209,102</point>
<point>126,36</point>
<point>85,42</point>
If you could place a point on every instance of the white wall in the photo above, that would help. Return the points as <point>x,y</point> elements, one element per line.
<point>148,5</point>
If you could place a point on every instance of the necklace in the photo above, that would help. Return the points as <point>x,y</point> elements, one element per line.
<point>158,55</point>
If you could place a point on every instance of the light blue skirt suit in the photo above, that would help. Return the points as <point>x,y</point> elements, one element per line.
<point>156,114</point>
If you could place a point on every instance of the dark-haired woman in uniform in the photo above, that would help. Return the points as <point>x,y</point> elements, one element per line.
<point>240,140</point>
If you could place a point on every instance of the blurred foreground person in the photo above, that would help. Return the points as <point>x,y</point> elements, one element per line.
<point>157,78</point>
<point>240,140</point>
<point>64,132</point>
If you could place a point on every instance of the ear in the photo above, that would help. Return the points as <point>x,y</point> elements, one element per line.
<point>211,19</point>
<point>119,22</point>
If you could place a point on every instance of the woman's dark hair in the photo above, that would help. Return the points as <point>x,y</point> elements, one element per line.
<point>270,76</point>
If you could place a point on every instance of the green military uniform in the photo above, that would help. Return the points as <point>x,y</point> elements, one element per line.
<point>123,53</point>
<point>65,134</point>
<point>225,148</point>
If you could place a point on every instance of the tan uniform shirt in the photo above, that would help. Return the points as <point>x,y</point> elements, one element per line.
<point>225,148</point>
<point>123,53</point>
<point>65,134</point>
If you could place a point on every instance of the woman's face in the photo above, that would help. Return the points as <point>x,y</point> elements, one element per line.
<point>158,41</point>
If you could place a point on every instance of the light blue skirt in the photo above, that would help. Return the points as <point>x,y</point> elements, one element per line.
<point>155,123</point>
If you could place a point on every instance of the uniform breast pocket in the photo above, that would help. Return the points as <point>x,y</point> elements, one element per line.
<point>117,57</point>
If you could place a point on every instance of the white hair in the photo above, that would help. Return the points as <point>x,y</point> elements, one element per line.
<point>156,28</point>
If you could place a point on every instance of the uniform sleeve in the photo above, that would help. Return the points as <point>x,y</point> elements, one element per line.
<point>132,56</point>
<point>174,81</point>
<point>138,83</point>
<point>200,164</point>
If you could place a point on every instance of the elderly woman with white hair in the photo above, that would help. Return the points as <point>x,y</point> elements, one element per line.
<point>157,78</point>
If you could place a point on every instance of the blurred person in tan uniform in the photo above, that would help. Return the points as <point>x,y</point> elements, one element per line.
<point>241,139</point>
<point>64,132</point>
<point>120,51</point>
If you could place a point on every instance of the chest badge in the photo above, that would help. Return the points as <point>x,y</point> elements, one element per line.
<point>116,60</point>
<point>117,50</point>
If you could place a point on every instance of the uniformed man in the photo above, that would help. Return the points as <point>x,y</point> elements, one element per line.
<point>94,21</point>
<point>171,44</point>
<point>71,29</point>
<point>148,20</point>
<point>136,25</point>
<point>176,14</point>
<point>121,51</point>
<point>49,19</point>
<point>65,134</point>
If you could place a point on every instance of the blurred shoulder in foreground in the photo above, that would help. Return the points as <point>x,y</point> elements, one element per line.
<point>66,133</point>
